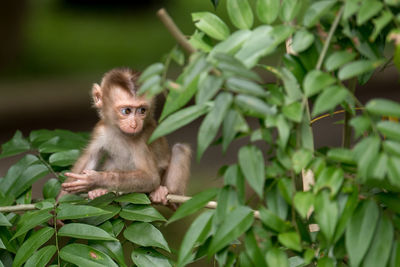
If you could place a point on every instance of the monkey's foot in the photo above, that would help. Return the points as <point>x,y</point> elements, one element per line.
<point>160,195</point>
<point>96,193</point>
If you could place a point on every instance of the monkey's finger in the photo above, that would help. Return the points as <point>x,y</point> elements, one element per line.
<point>76,183</point>
<point>70,186</point>
<point>76,175</point>
<point>76,189</point>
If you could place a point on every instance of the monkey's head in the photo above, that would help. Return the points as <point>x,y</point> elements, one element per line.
<point>118,103</point>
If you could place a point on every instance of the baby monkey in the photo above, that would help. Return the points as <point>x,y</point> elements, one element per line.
<point>118,157</point>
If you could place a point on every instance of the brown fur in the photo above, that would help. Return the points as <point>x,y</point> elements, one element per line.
<point>118,157</point>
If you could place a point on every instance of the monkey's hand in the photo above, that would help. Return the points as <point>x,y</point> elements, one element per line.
<point>96,193</point>
<point>84,182</point>
<point>160,195</point>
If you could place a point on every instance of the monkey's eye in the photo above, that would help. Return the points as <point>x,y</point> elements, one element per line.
<point>141,110</point>
<point>126,111</point>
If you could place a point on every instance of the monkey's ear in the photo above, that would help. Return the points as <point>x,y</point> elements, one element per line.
<point>97,95</point>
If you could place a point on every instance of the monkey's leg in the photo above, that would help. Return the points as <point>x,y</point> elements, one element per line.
<point>177,175</point>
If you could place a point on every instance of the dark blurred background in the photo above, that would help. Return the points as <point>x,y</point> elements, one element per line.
<point>52,51</point>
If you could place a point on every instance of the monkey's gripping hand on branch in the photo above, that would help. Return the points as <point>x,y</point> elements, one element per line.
<point>83,182</point>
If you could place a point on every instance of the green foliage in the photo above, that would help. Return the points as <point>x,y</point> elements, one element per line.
<point>353,206</point>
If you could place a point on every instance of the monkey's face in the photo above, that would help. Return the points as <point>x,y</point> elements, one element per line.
<point>129,111</point>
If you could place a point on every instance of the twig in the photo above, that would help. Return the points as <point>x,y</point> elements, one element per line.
<point>328,40</point>
<point>22,207</point>
<point>209,205</point>
<point>175,31</point>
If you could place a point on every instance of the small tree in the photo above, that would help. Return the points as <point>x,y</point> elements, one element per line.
<point>345,213</point>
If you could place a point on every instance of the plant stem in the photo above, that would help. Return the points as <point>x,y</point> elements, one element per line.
<point>328,40</point>
<point>47,165</point>
<point>346,140</point>
<point>175,31</point>
<point>56,234</point>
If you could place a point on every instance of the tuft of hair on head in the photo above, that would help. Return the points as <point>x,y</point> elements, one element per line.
<point>125,78</point>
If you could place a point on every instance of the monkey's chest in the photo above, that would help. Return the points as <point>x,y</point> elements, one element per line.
<point>119,156</point>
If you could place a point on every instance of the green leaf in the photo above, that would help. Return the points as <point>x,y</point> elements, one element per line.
<point>243,86</point>
<point>150,71</point>
<point>16,145</point>
<point>360,124</point>
<point>232,44</point>
<point>326,214</point>
<point>284,131</point>
<point>307,138</point>
<point>231,65</point>
<point>211,25</point>
<point>251,163</point>
<point>85,231</point>
<point>358,67</point>
<point>253,249</point>
<point>350,8</point>
<point>62,143</point>
<point>178,120</point>
<point>289,9</point>
<point>152,238</point>
<point>293,111</point>
<point>198,64</point>
<point>144,213</point>
<point>96,220</point>
<point>290,240</point>
<point>302,40</point>
<point>69,211</point>
<point>147,257</point>
<point>151,86</point>
<point>267,10</point>
<point>111,248</point>
<point>338,59</point>
<point>232,124</point>
<point>315,81</point>
<point>348,210</point>
<point>208,88</point>
<point>254,106</point>
<point>390,129</point>
<point>240,13</point>
<point>365,152</point>
<point>368,9</point>
<point>211,123</point>
<point>291,85</point>
<point>343,155</point>
<point>330,177</point>
<point>196,203</point>
<point>329,99</point>
<point>177,99</point>
<point>378,253</point>
<point>381,23</point>
<point>30,220</point>
<point>383,107</point>
<point>300,159</point>
<point>272,221</point>
<point>276,257</point>
<point>32,244</point>
<point>360,231</point>
<point>197,233</point>
<point>303,201</point>
<point>64,158</point>
<point>134,198</point>
<point>28,177</point>
<point>235,223</point>
<point>260,43</point>
<point>393,168</point>
<point>391,147</point>
<point>316,11</point>
<point>395,257</point>
<point>325,262</point>
<point>51,188</point>
<point>378,168</point>
<point>14,172</point>
<point>83,255</point>
<point>4,221</point>
<point>41,257</point>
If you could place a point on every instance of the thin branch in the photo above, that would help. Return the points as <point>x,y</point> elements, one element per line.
<point>328,40</point>
<point>175,31</point>
<point>22,207</point>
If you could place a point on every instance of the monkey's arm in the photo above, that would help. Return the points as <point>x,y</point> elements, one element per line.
<point>144,179</point>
